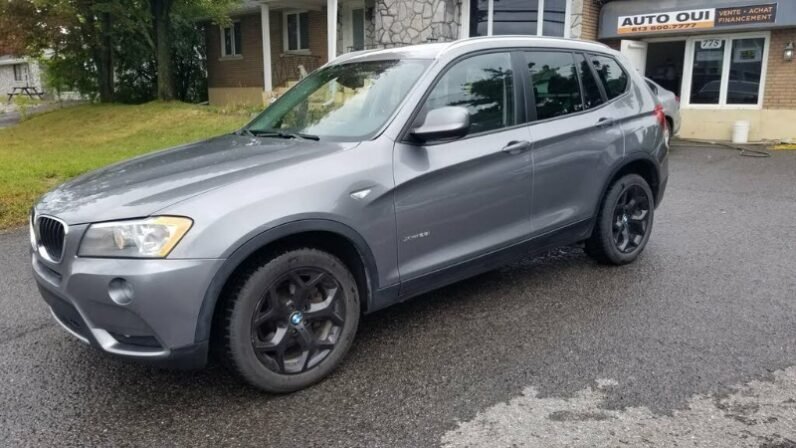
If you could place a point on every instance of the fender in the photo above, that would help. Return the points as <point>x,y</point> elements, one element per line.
<point>204,322</point>
<point>621,164</point>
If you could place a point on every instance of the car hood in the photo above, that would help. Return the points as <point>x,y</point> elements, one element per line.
<point>141,186</point>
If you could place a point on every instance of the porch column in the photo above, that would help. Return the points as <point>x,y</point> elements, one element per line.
<point>331,29</point>
<point>265,26</point>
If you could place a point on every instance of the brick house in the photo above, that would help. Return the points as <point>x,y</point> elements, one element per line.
<point>728,60</point>
<point>299,35</point>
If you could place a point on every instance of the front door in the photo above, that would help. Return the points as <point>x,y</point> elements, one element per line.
<point>458,199</point>
<point>353,26</point>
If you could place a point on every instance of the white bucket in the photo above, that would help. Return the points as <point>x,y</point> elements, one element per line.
<point>740,132</point>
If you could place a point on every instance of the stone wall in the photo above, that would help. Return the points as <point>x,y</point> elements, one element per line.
<point>406,22</point>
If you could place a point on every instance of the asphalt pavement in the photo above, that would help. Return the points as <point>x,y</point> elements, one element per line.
<point>693,345</point>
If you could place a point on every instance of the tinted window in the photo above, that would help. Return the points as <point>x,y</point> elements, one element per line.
<point>591,91</point>
<point>746,66</point>
<point>614,79</point>
<point>484,85</point>
<point>555,83</point>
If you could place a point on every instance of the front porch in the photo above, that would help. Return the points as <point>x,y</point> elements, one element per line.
<point>271,44</point>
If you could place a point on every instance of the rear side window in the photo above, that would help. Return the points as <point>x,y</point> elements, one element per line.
<point>484,84</point>
<point>555,83</point>
<point>614,79</point>
<point>592,97</point>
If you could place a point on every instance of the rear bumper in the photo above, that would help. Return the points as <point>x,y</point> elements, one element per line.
<point>157,326</point>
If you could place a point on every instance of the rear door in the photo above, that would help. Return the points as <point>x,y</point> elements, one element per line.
<point>455,200</point>
<point>576,137</point>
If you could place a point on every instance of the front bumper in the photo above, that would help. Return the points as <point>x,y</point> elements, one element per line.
<point>158,323</point>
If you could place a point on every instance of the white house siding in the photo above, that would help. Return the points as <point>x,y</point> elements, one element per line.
<point>7,82</point>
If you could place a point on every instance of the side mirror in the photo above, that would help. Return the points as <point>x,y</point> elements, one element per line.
<point>443,123</point>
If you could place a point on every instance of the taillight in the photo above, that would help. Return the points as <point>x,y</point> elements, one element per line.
<point>659,115</point>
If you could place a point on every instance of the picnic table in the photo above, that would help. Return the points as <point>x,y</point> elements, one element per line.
<point>30,91</point>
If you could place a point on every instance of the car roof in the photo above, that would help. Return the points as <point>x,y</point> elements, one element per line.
<point>437,50</point>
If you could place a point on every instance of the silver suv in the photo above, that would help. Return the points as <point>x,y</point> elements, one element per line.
<point>381,176</point>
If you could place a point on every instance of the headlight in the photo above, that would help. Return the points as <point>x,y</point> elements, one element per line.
<point>144,238</point>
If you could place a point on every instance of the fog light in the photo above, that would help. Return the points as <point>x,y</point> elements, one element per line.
<point>120,291</point>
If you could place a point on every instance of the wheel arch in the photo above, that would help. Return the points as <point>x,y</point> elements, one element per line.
<point>331,236</point>
<point>642,164</point>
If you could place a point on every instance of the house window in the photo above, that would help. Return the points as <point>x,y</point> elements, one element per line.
<point>297,31</point>
<point>231,44</point>
<point>19,72</point>
<point>358,29</point>
<point>529,17</point>
<point>726,71</point>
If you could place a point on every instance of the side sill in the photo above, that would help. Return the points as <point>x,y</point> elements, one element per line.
<point>408,289</point>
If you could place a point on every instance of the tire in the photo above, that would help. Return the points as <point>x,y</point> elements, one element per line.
<point>289,321</point>
<point>624,222</point>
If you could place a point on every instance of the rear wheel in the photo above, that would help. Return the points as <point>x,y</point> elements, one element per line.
<point>624,222</point>
<point>290,321</point>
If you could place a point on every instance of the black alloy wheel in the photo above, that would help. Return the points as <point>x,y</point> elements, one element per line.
<point>298,321</point>
<point>631,219</point>
<point>624,221</point>
<point>288,321</point>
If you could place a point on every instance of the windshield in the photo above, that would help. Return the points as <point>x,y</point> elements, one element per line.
<point>347,101</point>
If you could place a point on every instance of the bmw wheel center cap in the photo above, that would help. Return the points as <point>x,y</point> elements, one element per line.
<point>296,318</point>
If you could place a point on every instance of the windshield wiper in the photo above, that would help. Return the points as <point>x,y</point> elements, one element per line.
<point>281,134</point>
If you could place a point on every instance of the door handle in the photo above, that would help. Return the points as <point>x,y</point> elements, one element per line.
<point>516,147</point>
<point>604,122</point>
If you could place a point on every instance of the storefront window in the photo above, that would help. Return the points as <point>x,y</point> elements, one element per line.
<point>479,17</point>
<point>515,17</point>
<point>727,71</point>
<point>519,17</point>
<point>706,75</point>
<point>555,12</point>
<point>745,69</point>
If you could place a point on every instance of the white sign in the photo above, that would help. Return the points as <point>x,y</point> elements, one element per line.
<point>710,44</point>
<point>667,21</point>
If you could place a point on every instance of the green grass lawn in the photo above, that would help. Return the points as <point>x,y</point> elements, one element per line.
<point>49,148</point>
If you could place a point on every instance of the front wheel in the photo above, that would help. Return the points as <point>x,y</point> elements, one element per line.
<point>289,321</point>
<point>624,222</point>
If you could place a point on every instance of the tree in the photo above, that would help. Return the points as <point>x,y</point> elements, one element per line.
<point>161,23</point>
<point>124,50</point>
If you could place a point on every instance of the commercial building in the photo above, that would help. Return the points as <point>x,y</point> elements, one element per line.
<point>728,60</point>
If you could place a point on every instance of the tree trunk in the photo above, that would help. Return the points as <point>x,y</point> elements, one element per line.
<point>161,10</point>
<point>104,59</point>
